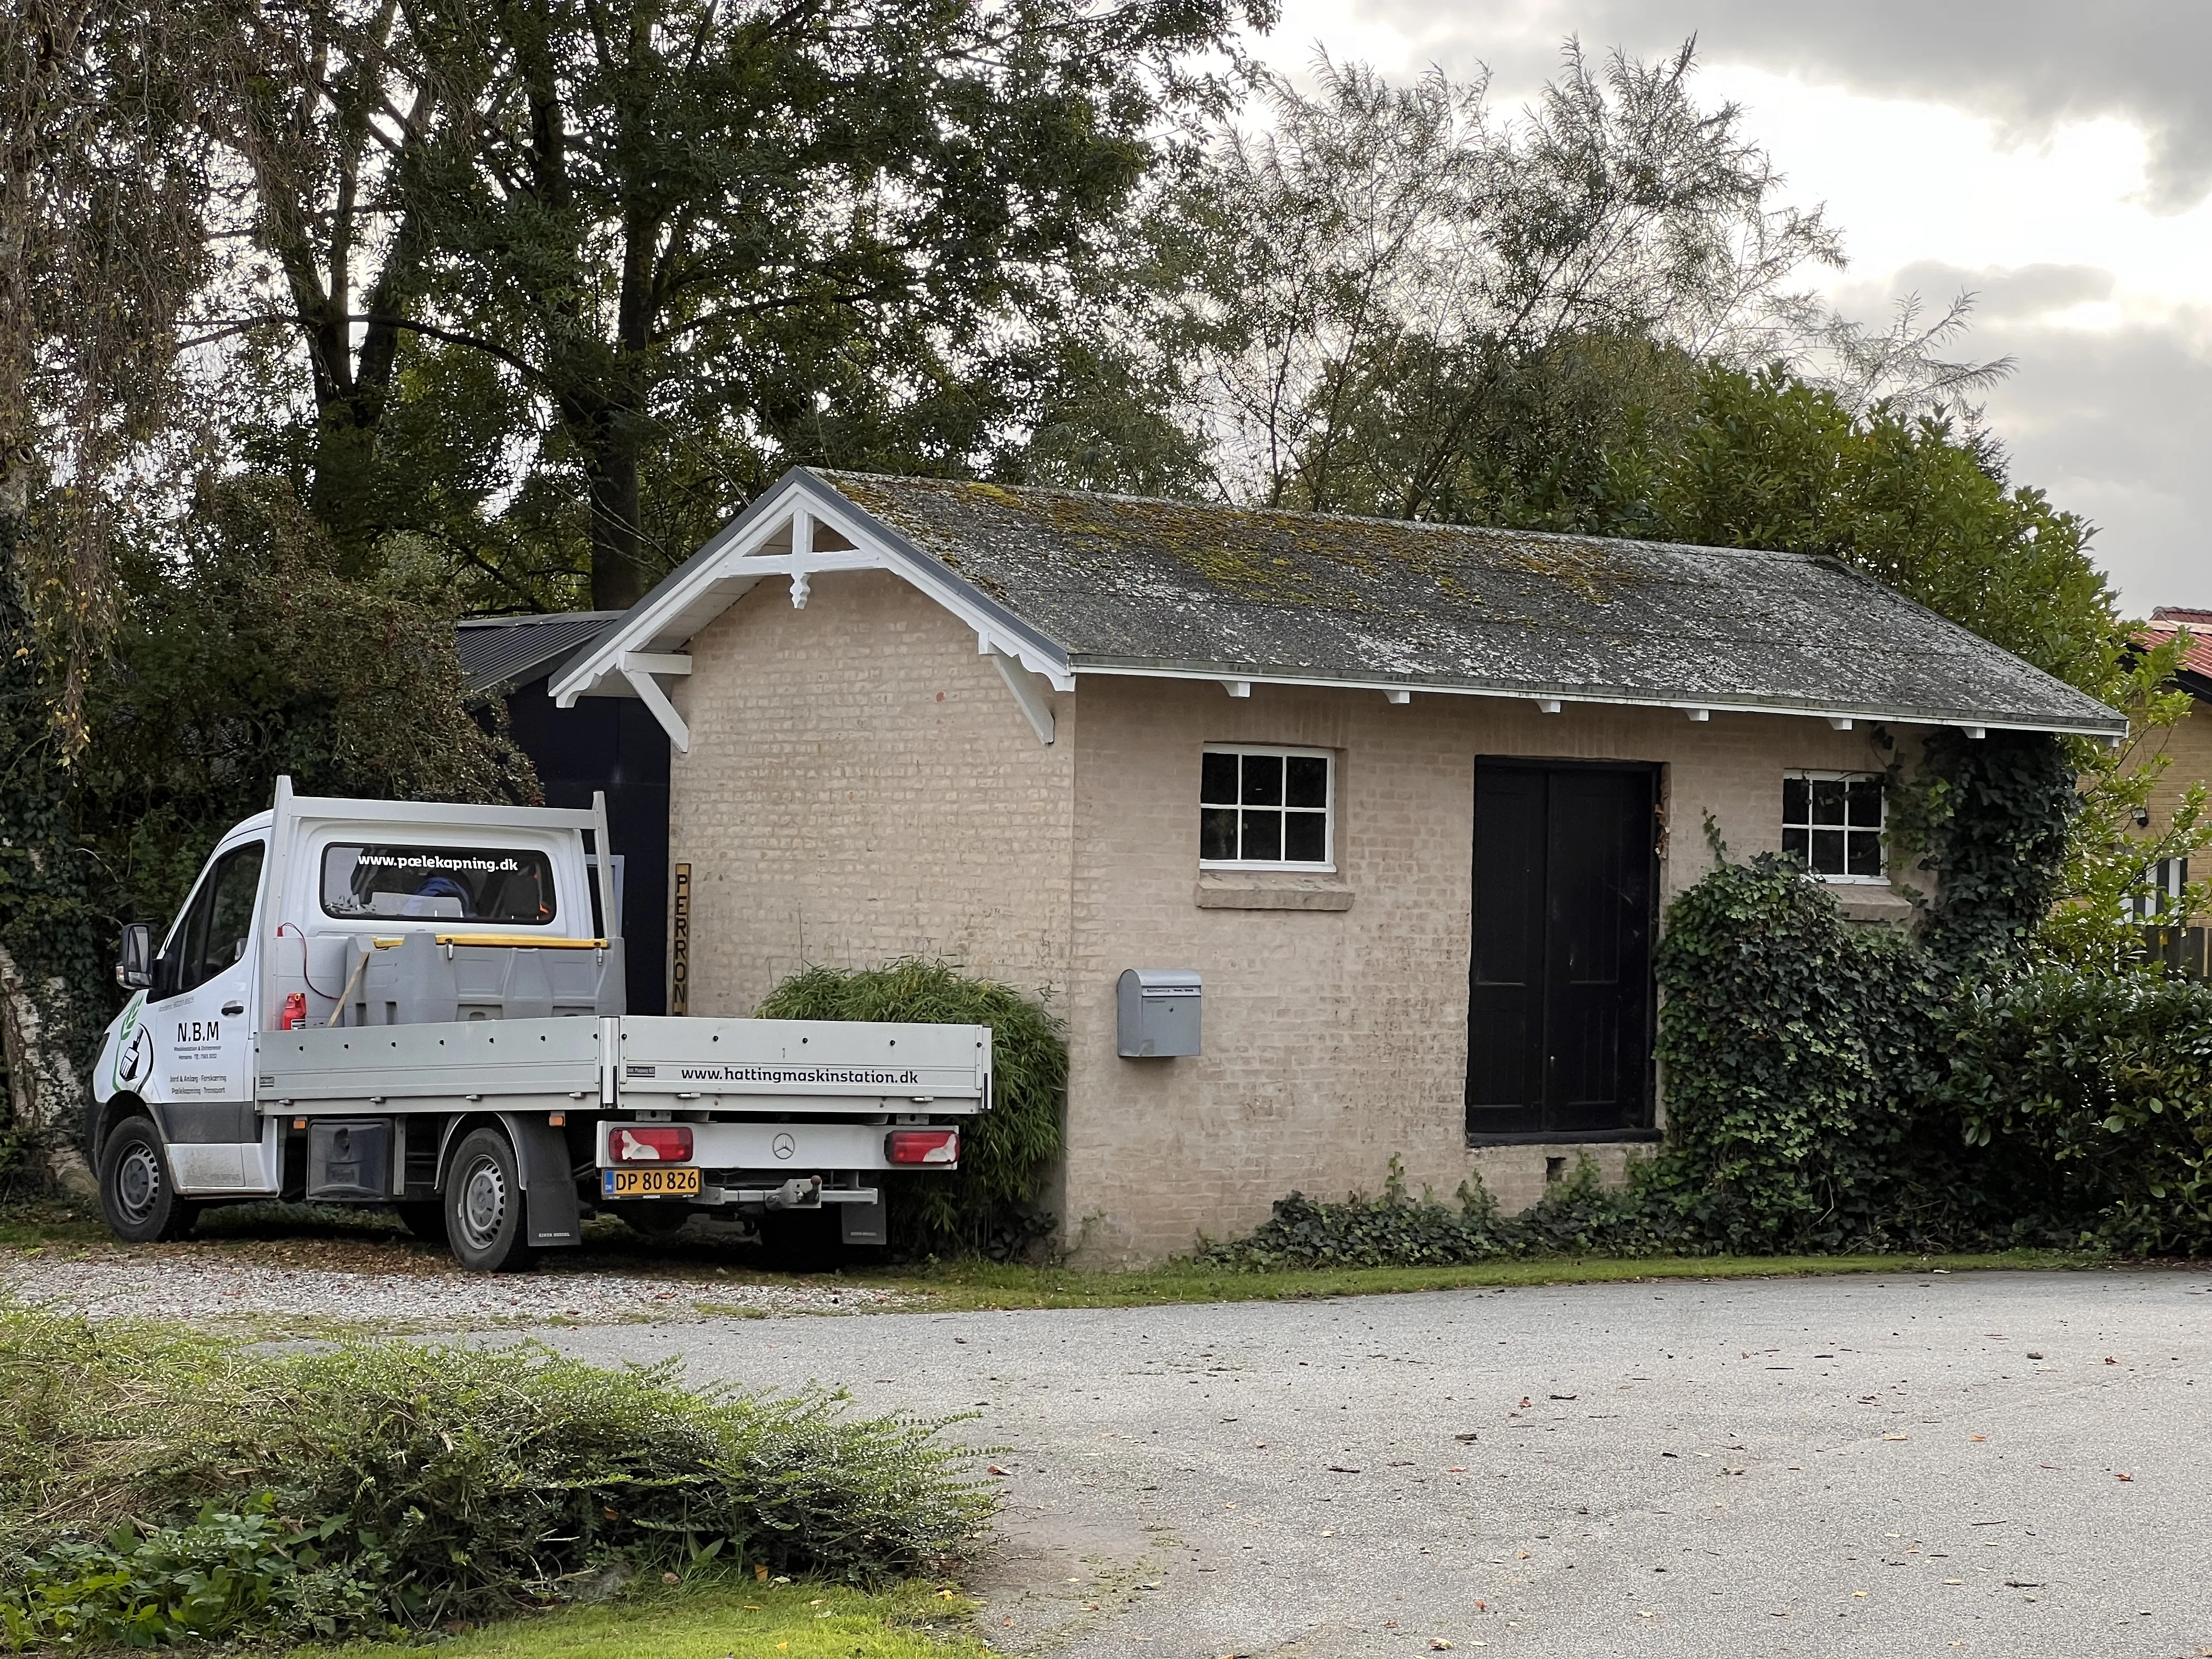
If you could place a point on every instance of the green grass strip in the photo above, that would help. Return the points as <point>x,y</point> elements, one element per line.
<point>793,1621</point>
<point>992,1285</point>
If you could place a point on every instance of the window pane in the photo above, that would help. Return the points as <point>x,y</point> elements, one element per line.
<point>1305,836</point>
<point>1263,834</point>
<point>1216,832</point>
<point>1828,852</point>
<point>235,886</point>
<point>1865,851</point>
<point>1798,844</point>
<point>1865,802</point>
<point>1827,800</point>
<point>1796,801</point>
<point>507,885</point>
<point>1217,780</point>
<point>1308,781</point>
<point>1263,782</point>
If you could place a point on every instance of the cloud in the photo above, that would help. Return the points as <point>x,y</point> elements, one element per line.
<point>2031,66</point>
<point>2112,421</point>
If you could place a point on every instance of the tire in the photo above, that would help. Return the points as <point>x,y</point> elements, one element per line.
<point>137,1195</point>
<point>485,1227</point>
<point>425,1218</point>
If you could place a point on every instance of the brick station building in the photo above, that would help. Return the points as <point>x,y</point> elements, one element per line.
<point>1410,799</point>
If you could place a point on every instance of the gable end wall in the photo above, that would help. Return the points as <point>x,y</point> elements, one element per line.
<point>861,786</point>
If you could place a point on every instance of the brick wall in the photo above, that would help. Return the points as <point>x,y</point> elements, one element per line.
<point>2188,749</point>
<point>861,786</point>
<point>1335,1040</point>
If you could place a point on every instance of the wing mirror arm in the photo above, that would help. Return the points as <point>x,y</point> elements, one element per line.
<point>134,963</point>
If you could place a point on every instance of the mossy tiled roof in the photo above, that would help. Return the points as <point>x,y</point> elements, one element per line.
<point>1122,582</point>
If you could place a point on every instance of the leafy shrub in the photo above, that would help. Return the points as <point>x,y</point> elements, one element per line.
<point>1579,1215</point>
<point>222,1574</point>
<point>448,1481</point>
<point>2093,1095</point>
<point>1792,1049</point>
<point>989,1204</point>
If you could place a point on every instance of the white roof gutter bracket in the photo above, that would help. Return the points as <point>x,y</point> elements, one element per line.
<point>639,667</point>
<point>1023,685</point>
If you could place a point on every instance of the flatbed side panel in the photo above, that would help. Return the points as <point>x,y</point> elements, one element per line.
<point>892,1067</point>
<point>555,1060</point>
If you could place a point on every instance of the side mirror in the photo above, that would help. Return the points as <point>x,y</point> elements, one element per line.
<point>134,964</point>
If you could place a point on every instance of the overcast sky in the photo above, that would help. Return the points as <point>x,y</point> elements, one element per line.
<point>2057,158</point>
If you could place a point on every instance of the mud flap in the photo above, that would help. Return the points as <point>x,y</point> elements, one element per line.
<point>549,1206</point>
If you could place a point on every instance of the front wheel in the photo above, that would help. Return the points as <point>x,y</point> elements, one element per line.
<point>484,1225</point>
<point>136,1194</point>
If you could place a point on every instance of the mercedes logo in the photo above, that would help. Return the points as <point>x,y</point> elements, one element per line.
<point>783,1145</point>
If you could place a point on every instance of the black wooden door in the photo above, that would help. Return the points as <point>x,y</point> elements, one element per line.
<point>1560,988</point>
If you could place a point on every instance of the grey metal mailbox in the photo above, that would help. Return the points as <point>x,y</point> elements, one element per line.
<point>1158,1012</point>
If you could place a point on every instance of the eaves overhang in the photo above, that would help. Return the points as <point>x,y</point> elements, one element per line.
<point>1249,674</point>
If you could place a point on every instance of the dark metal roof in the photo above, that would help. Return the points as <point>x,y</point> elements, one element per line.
<point>516,650</point>
<point>1158,586</point>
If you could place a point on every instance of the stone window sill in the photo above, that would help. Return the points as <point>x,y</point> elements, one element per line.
<point>1259,892</point>
<point>1876,903</point>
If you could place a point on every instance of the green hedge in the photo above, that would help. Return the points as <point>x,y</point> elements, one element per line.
<point>2091,1095</point>
<point>989,1205</point>
<point>156,1487</point>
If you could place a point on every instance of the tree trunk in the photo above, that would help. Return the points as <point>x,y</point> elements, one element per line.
<point>617,578</point>
<point>43,1089</point>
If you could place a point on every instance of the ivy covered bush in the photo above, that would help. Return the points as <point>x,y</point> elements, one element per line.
<point>990,1205</point>
<point>1579,1215</point>
<point>1792,1046</point>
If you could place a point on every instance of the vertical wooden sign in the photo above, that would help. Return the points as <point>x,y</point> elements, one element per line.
<point>679,942</point>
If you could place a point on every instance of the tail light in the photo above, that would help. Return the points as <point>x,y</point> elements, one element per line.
<point>648,1143</point>
<point>922,1146</point>
<point>296,1011</point>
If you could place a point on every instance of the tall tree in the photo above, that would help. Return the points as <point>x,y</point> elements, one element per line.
<point>696,239</point>
<point>1384,268</point>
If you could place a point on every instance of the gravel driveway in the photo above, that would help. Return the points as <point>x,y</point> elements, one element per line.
<point>1996,1464</point>
<point>393,1288</point>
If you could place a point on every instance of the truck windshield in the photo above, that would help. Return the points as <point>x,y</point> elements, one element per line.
<point>512,886</point>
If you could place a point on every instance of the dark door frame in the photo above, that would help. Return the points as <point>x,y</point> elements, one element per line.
<point>1648,1072</point>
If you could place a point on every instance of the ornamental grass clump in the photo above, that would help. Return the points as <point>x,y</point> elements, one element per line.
<point>159,1487</point>
<point>989,1205</point>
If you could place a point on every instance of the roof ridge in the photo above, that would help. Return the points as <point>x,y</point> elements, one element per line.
<point>829,474</point>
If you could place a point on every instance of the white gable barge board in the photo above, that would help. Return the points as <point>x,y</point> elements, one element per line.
<point>743,552</point>
<point>806,525</point>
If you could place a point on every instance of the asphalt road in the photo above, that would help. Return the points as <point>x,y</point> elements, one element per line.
<point>2005,1463</point>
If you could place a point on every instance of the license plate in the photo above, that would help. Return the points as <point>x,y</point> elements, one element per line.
<point>649,1183</point>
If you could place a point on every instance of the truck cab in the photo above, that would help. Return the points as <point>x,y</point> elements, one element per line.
<point>420,1006</point>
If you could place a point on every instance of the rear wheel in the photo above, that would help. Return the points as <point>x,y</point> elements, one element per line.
<point>483,1203</point>
<point>136,1194</point>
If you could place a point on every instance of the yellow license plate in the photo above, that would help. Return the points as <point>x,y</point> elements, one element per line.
<point>649,1183</point>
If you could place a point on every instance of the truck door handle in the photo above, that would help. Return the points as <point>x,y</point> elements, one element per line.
<point>233,1007</point>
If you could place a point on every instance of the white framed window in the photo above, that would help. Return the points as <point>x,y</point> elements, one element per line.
<point>2159,895</point>
<point>1832,824</point>
<point>1266,809</point>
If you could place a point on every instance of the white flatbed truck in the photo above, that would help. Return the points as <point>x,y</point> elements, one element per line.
<point>421,1006</point>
